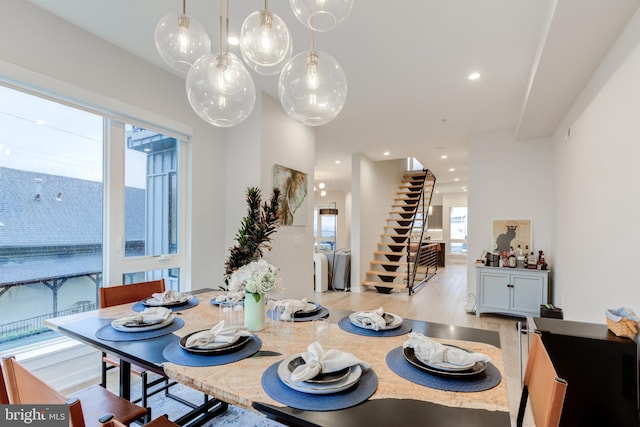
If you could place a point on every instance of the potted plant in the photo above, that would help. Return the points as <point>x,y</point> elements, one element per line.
<point>244,268</point>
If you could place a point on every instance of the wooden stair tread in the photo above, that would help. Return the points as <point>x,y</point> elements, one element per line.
<point>392,263</point>
<point>412,206</point>
<point>401,253</point>
<point>383,284</point>
<point>387,273</point>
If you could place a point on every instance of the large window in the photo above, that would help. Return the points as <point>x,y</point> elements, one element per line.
<point>458,230</point>
<point>325,230</point>
<point>85,200</point>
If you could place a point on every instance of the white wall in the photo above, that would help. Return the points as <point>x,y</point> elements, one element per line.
<point>291,144</point>
<point>243,162</point>
<point>596,196</point>
<point>509,179</point>
<point>374,186</point>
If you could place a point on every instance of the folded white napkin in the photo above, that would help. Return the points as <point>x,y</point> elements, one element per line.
<point>432,351</point>
<point>148,315</point>
<point>169,295</point>
<point>218,334</point>
<point>373,318</point>
<point>231,297</point>
<point>317,361</point>
<point>291,306</point>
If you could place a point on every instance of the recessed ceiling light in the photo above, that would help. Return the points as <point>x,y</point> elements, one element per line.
<point>456,179</point>
<point>321,185</point>
<point>452,169</point>
<point>338,162</point>
<point>444,156</point>
<point>323,193</point>
<point>474,76</point>
<point>386,153</point>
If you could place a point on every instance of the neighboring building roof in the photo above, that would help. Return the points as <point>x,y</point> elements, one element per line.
<point>62,228</point>
<point>74,219</point>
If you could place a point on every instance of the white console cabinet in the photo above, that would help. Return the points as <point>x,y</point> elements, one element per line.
<point>512,291</point>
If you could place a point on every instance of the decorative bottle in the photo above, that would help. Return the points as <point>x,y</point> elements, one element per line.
<point>512,259</point>
<point>519,258</point>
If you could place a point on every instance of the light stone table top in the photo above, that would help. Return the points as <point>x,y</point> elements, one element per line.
<point>239,383</point>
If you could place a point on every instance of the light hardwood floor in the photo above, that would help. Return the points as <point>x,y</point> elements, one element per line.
<point>443,299</point>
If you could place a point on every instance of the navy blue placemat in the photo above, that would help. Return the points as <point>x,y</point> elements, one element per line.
<point>324,312</point>
<point>109,334</point>
<point>176,354</point>
<point>401,366</point>
<point>139,306</point>
<point>346,325</point>
<point>277,390</point>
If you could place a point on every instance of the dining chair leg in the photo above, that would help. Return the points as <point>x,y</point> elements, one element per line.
<point>523,404</point>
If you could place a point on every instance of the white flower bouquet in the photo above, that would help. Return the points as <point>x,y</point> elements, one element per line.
<point>257,277</point>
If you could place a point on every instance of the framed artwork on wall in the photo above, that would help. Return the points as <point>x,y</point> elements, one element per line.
<point>508,233</point>
<point>293,188</point>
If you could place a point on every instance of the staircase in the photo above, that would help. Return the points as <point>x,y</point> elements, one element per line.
<point>405,259</point>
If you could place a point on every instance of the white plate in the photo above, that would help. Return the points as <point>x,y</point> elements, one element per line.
<point>312,388</point>
<point>144,328</point>
<point>395,323</point>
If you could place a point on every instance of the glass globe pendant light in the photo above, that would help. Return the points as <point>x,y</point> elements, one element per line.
<point>312,87</point>
<point>321,15</point>
<point>219,87</point>
<point>181,40</point>
<point>265,42</point>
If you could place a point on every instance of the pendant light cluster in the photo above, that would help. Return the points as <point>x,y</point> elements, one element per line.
<point>312,86</point>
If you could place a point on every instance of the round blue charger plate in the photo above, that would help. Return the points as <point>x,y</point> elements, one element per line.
<point>346,325</point>
<point>176,354</point>
<point>139,306</point>
<point>277,390</point>
<point>108,333</point>
<point>396,361</point>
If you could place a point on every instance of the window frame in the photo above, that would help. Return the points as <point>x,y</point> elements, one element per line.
<point>115,263</point>
<point>113,111</point>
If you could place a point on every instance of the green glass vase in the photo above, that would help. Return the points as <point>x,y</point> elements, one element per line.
<point>254,311</point>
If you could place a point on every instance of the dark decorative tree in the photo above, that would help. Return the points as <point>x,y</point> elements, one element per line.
<point>254,235</point>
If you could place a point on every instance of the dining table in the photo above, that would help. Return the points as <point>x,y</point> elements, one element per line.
<point>396,391</point>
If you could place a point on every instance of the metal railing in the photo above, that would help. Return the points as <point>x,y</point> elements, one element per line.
<point>34,325</point>
<point>422,248</point>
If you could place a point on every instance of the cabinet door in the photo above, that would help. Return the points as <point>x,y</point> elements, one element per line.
<point>528,292</point>
<point>494,291</point>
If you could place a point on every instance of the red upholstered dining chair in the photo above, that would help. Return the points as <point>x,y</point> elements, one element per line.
<point>85,406</point>
<point>542,387</point>
<point>4,394</point>
<point>123,294</point>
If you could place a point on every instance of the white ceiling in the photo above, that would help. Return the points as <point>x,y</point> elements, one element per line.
<point>407,64</point>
